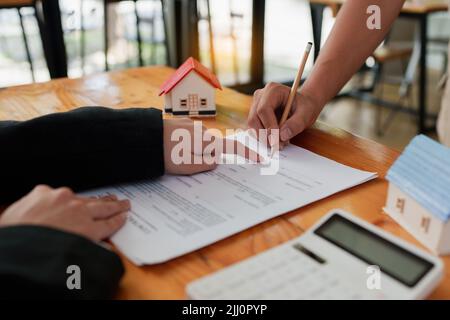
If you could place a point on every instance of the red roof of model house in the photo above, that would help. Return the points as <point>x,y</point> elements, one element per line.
<point>184,70</point>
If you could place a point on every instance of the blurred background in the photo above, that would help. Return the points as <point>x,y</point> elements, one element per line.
<point>247,43</point>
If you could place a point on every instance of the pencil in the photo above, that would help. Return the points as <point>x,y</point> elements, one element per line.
<point>296,84</point>
<point>294,88</point>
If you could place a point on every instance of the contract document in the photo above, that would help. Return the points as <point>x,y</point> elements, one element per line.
<point>175,215</point>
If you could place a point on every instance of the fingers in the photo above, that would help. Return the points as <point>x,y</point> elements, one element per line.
<point>266,103</point>
<point>212,143</point>
<point>107,227</point>
<point>275,96</point>
<point>271,99</point>
<point>58,194</point>
<point>39,192</point>
<point>242,150</point>
<point>110,197</point>
<point>269,103</point>
<point>269,121</point>
<point>205,148</point>
<point>253,121</point>
<point>207,137</point>
<point>196,129</point>
<point>293,126</point>
<point>55,196</point>
<point>41,188</point>
<point>109,215</point>
<point>62,209</point>
<point>305,113</point>
<point>106,208</point>
<point>202,166</point>
<point>201,155</point>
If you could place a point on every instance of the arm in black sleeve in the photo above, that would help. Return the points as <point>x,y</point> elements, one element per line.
<point>35,261</point>
<point>82,149</point>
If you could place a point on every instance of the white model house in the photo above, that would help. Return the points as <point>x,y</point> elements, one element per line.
<point>191,90</point>
<point>419,193</point>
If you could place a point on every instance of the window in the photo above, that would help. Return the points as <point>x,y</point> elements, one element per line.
<point>425,224</point>
<point>183,103</point>
<point>203,102</point>
<point>400,205</point>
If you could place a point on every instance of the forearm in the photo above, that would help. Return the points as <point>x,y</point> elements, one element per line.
<point>348,46</point>
<point>85,148</point>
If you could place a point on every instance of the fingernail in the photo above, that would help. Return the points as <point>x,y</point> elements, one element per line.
<point>273,140</point>
<point>252,133</point>
<point>127,203</point>
<point>286,134</point>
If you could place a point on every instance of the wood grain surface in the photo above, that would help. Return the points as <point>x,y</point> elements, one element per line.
<point>139,88</point>
<point>15,3</point>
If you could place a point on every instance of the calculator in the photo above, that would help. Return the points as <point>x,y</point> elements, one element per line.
<point>341,257</point>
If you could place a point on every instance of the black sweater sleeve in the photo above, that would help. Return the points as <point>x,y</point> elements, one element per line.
<point>85,148</point>
<point>82,149</point>
<point>36,262</point>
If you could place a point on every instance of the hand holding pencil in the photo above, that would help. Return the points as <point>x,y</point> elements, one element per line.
<point>280,107</point>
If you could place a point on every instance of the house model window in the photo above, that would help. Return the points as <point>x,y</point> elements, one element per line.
<point>191,90</point>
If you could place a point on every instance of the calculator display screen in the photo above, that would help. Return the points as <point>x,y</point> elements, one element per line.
<point>393,260</point>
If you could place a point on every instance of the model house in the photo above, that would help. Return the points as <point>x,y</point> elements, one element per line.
<point>191,90</point>
<point>419,193</point>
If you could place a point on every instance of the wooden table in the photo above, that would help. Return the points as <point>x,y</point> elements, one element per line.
<point>16,3</point>
<point>139,87</point>
<point>418,10</point>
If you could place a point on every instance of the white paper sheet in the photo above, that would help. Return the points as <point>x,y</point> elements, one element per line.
<point>175,215</point>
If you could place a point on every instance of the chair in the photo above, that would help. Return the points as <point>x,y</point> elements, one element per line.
<point>399,46</point>
<point>83,30</point>
<point>83,27</point>
<point>18,5</point>
<point>439,41</point>
<point>150,20</point>
<point>233,34</point>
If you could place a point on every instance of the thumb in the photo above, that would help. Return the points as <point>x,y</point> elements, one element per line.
<point>293,126</point>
